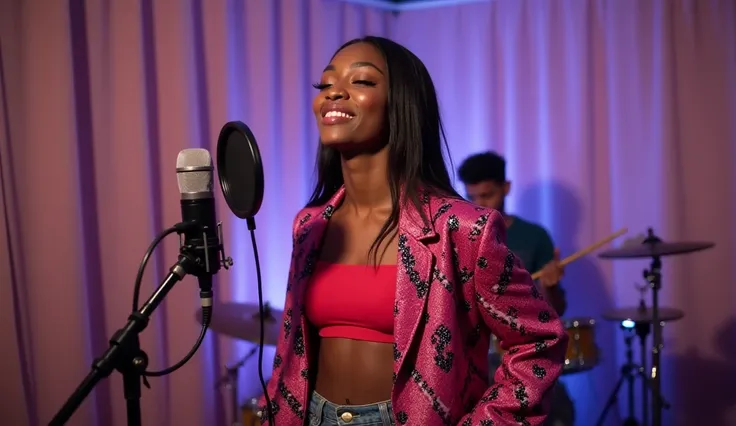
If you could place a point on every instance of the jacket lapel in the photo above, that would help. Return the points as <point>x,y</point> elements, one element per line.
<point>307,245</point>
<point>415,262</point>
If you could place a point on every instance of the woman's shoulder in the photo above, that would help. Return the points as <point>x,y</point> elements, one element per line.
<point>305,215</point>
<point>461,214</point>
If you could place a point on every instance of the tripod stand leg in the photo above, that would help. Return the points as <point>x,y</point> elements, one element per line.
<point>647,385</point>
<point>612,398</point>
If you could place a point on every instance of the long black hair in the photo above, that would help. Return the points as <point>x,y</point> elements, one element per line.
<point>415,139</point>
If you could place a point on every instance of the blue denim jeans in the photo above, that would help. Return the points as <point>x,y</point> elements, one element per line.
<point>325,413</point>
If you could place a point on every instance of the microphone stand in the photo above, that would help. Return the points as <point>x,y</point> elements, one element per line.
<point>124,353</point>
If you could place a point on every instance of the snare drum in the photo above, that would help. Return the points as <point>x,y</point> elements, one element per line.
<point>582,351</point>
<point>250,412</point>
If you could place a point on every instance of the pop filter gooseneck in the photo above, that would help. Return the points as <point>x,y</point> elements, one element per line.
<point>240,170</point>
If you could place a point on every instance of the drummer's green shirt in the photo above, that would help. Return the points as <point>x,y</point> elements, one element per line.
<point>531,243</point>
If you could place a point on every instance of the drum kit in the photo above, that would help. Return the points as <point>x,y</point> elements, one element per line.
<point>241,321</point>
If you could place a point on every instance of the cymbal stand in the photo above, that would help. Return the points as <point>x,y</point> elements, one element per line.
<point>654,277</point>
<point>230,381</point>
<point>629,371</point>
<point>642,330</point>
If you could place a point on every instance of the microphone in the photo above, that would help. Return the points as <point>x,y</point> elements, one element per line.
<point>201,253</point>
<point>202,233</point>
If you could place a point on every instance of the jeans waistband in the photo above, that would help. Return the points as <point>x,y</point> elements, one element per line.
<point>323,412</point>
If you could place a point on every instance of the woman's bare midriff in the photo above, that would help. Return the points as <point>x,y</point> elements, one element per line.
<point>354,372</point>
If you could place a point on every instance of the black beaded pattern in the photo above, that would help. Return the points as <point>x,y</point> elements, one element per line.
<point>520,420</point>
<point>440,340</point>
<point>408,260</point>
<point>453,223</point>
<point>505,279</point>
<point>477,228</point>
<point>291,400</point>
<point>437,405</point>
<point>444,208</point>
<point>309,262</point>
<point>264,411</point>
<point>442,279</point>
<point>539,371</point>
<point>465,275</point>
<point>299,341</point>
<point>304,220</point>
<point>287,323</point>
<point>522,396</point>
<point>329,210</point>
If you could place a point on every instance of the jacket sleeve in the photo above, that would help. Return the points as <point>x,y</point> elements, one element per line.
<point>529,331</point>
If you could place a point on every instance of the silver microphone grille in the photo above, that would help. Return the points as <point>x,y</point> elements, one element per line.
<point>194,173</point>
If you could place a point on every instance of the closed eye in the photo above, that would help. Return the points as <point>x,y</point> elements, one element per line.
<point>364,83</point>
<point>321,86</point>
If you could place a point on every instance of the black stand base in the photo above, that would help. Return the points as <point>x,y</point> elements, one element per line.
<point>125,354</point>
<point>629,373</point>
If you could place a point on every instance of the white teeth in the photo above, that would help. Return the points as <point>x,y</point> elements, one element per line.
<point>337,114</point>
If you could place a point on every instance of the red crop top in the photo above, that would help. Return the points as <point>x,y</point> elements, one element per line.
<point>353,301</point>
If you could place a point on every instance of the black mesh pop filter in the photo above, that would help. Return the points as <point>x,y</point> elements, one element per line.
<point>240,169</point>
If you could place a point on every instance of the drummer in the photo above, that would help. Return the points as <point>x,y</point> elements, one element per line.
<point>484,177</point>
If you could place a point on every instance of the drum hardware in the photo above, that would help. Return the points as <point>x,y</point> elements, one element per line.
<point>230,382</point>
<point>653,247</point>
<point>635,322</point>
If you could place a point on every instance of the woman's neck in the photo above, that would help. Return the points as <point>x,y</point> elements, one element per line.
<point>366,182</point>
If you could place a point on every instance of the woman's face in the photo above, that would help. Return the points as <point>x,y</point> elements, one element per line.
<point>351,104</point>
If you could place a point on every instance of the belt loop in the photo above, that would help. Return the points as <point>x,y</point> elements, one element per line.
<point>385,414</point>
<point>317,419</point>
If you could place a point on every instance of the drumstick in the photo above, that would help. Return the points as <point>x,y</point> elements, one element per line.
<point>580,253</point>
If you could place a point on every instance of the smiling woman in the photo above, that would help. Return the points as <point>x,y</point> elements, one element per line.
<point>396,283</point>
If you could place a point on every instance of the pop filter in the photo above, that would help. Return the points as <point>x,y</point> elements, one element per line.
<point>240,169</point>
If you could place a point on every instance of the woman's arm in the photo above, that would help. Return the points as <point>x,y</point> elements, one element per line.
<point>528,329</point>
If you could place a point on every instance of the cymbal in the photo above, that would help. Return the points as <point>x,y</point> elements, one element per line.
<point>639,315</point>
<point>652,246</point>
<point>241,321</point>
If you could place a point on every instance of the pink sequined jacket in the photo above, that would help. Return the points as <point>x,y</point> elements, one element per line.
<point>457,283</point>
